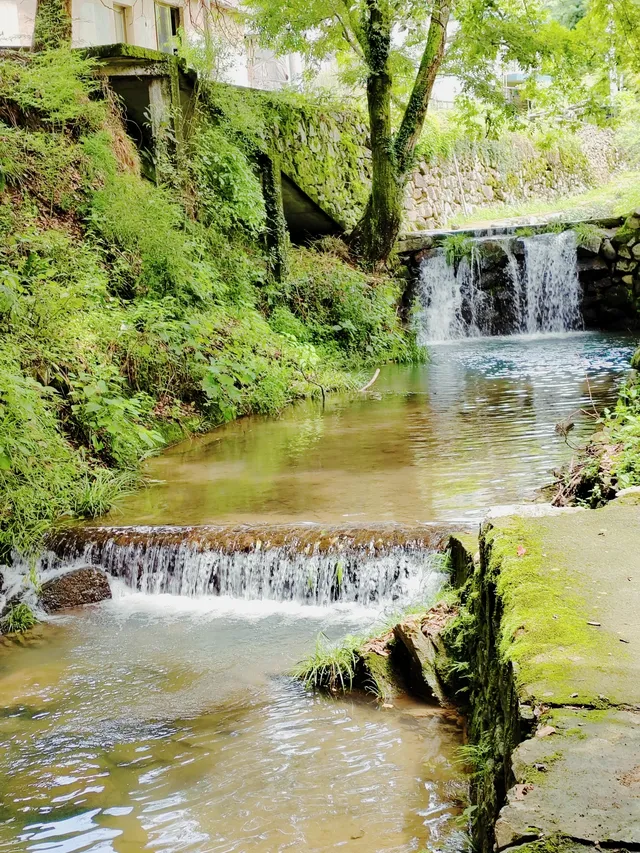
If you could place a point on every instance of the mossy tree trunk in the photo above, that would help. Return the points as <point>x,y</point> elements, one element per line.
<point>52,28</point>
<point>373,238</point>
<point>277,237</point>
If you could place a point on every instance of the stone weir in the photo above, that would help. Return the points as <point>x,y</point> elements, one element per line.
<point>549,277</point>
<point>308,564</point>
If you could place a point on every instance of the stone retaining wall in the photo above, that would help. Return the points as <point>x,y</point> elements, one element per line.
<point>510,172</point>
<point>609,270</point>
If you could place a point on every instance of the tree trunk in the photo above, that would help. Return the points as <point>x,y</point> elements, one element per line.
<point>52,28</point>
<point>373,238</point>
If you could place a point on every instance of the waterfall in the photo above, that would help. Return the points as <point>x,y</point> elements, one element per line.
<point>307,566</point>
<point>539,293</point>
<point>450,303</point>
<point>551,285</point>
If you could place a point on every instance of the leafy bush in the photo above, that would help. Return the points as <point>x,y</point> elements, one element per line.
<point>343,308</point>
<point>229,193</point>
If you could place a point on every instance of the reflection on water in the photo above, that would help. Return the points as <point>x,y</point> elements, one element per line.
<point>156,723</point>
<point>473,428</point>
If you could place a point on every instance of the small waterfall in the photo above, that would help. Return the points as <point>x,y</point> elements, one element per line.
<point>305,565</point>
<point>503,295</point>
<point>551,285</point>
<point>450,303</point>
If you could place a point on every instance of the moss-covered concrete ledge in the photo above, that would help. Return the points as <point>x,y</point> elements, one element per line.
<point>550,631</point>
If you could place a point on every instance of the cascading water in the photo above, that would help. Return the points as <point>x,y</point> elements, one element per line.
<point>537,294</point>
<point>551,285</point>
<point>450,303</point>
<point>320,568</point>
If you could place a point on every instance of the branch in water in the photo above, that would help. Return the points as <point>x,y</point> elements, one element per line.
<point>370,382</point>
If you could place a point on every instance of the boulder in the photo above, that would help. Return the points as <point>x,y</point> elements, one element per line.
<point>86,585</point>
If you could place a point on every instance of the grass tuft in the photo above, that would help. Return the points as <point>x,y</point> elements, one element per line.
<point>19,619</point>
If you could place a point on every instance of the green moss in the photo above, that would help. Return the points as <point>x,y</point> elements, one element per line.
<point>544,618</point>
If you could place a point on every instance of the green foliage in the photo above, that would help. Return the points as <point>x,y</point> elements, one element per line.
<point>587,234</point>
<point>457,247</point>
<point>343,308</point>
<point>132,314</point>
<point>53,87</point>
<point>229,194</point>
<point>330,666</point>
<point>19,619</point>
<point>623,428</point>
<point>476,756</point>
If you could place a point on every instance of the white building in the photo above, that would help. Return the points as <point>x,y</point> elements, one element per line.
<point>153,24</point>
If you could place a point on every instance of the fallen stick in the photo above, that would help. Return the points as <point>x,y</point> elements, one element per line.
<point>370,382</point>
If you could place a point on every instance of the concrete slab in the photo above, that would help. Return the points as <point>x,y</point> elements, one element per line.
<point>581,782</point>
<point>569,585</point>
<point>571,590</point>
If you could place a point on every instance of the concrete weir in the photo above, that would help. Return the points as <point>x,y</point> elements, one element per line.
<point>555,700</point>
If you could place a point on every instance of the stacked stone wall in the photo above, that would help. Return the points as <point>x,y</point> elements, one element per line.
<point>513,171</point>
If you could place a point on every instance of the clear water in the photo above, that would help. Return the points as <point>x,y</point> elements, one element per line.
<point>442,441</point>
<point>160,723</point>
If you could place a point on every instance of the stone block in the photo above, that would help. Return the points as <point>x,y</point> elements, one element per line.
<point>608,251</point>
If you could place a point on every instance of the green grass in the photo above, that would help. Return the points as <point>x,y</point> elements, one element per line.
<point>331,666</point>
<point>19,619</point>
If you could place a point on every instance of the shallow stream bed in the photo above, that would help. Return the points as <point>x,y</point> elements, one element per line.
<point>473,428</point>
<point>168,723</point>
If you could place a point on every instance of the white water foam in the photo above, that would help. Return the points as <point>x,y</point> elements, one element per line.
<point>450,304</point>
<point>544,293</point>
<point>355,576</point>
<point>551,285</point>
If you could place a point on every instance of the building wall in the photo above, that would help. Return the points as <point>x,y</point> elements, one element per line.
<point>16,22</point>
<point>242,61</point>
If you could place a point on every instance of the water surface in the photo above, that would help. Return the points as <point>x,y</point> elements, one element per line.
<point>473,428</point>
<point>166,724</point>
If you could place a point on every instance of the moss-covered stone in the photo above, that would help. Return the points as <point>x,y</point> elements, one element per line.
<point>547,633</point>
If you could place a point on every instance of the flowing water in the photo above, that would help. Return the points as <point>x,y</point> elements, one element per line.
<point>442,441</point>
<point>164,723</point>
<point>164,720</point>
<point>540,295</point>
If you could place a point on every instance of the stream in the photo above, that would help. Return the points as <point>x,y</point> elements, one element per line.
<point>166,721</point>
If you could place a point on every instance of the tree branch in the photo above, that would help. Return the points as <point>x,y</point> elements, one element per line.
<point>414,115</point>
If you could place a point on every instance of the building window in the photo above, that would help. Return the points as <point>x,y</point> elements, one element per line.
<point>167,26</point>
<point>120,18</point>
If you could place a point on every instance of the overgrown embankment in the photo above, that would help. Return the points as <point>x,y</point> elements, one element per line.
<point>610,461</point>
<point>132,314</point>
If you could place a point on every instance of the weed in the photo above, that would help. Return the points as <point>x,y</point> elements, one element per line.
<point>331,666</point>
<point>587,234</point>
<point>19,618</point>
<point>457,247</point>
